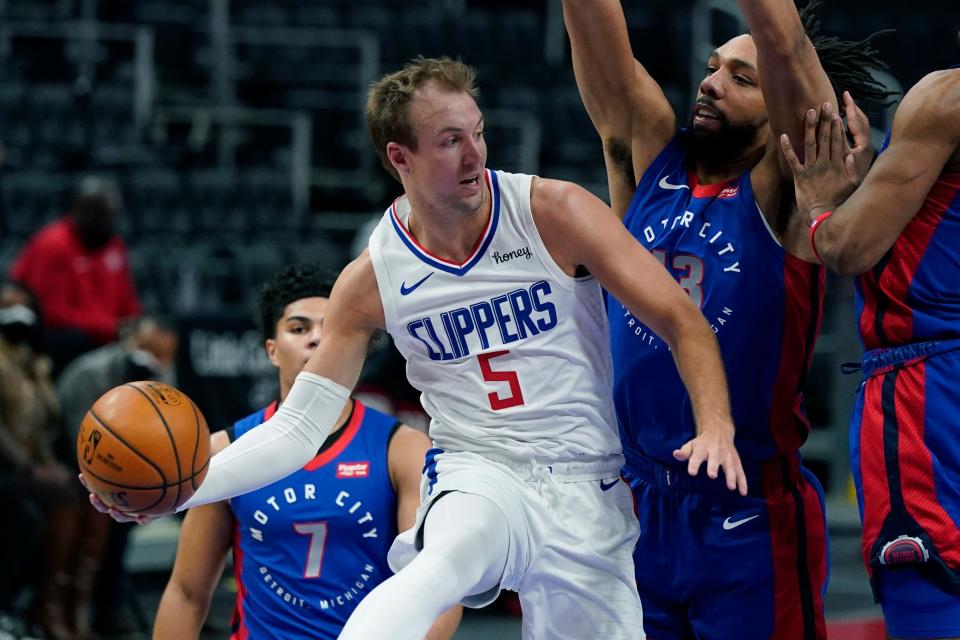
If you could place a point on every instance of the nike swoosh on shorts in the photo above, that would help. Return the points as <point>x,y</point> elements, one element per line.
<point>728,524</point>
<point>606,487</point>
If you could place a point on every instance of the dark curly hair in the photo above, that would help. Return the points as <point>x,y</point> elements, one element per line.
<point>290,284</point>
<point>848,63</point>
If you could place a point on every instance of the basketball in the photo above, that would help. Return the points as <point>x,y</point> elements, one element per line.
<point>144,448</point>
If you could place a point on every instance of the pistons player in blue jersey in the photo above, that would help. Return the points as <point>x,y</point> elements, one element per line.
<point>308,548</point>
<point>899,233</point>
<point>713,203</point>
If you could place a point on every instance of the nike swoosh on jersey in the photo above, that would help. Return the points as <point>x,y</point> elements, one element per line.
<point>733,524</point>
<point>669,185</point>
<point>405,290</point>
<point>606,487</point>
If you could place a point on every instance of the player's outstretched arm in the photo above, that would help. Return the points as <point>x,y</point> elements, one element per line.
<point>791,76</point>
<point>862,228</point>
<point>201,555</point>
<point>290,438</point>
<point>408,449</point>
<point>627,106</point>
<point>578,229</point>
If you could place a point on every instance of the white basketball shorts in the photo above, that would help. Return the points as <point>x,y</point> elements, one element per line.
<point>572,534</point>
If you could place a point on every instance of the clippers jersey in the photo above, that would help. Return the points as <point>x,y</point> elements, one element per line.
<point>309,547</point>
<point>509,353</point>
<point>763,304</point>
<point>911,295</point>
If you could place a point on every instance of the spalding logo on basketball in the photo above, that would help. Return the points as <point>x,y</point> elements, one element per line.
<point>904,550</point>
<point>164,394</point>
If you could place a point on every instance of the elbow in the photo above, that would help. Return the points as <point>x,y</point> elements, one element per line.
<point>850,258</point>
<point>684,325</point>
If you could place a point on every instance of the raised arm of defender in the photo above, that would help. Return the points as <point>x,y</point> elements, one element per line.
<point>924,142</point>
<point>579,229</point>
<point>627,106</point>
<point>791,76</point>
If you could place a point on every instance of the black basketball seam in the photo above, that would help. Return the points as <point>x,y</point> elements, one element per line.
<point>116,435</point>
<point>139,487</point>
<point>173,442</point>
<point>129,446</point>
<point>134,488</point>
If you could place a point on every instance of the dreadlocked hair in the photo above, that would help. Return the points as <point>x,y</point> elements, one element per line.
<point>847,63</point>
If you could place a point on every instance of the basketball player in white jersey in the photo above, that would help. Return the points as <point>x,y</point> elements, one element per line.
<point>490,285</point>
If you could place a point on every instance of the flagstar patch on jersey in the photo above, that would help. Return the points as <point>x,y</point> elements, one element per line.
<point>353,469</point>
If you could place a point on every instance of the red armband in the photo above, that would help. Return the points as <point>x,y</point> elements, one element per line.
<point>813,231</point>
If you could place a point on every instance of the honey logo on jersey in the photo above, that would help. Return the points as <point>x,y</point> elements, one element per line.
<point>501,260</point>
<point>353,470</point>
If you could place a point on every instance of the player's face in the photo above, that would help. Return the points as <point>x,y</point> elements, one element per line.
<point>297,335</point>
<point>729,115</point>
<point>447,168</point>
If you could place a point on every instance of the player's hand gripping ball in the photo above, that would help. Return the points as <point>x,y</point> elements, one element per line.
<point>143,448</point>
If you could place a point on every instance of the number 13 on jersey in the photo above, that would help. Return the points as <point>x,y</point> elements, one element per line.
<point>497,401</point>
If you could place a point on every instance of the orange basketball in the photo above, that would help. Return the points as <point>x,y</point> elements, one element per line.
<point>144,447</point>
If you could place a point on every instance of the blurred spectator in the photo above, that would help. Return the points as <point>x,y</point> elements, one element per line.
<point>147,351</point>
<point>31,480</point>
<point>78,268</point>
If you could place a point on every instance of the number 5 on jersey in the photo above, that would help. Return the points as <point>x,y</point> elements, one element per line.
<point>497,402</point>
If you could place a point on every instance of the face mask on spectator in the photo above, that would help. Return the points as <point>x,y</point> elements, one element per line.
<point>18,325</point>
<point>143,365</point>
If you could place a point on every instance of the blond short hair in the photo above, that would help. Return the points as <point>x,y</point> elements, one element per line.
<point>388,113</point>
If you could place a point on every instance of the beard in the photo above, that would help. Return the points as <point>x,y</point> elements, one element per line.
<point>725,145</point>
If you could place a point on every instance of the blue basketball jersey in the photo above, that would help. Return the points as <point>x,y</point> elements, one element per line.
<point>909,295</point>
<point>763,304</point>
<point>309,547</point>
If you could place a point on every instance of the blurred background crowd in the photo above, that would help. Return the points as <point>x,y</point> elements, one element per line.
<point>162,158</point>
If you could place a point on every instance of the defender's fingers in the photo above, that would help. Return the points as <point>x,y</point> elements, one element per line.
<point>792,160</point>
<point>836,139</point>
<point>683,453</point>
<point>823,132</point>
<point>810,137</point>
<point>850,167</point>
<point>857,120</point>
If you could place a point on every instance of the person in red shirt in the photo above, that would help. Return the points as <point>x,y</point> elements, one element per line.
<point>77,267</point>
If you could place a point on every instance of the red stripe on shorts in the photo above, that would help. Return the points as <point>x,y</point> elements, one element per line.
<point>916,465</point>
<point>873,471</point>
<point>785,535</point>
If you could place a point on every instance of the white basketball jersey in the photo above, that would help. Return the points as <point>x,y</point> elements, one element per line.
<point>511,354</point>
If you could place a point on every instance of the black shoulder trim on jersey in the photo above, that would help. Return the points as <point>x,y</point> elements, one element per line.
<point>393,431</point>
<point>231,432</point>
<point>332,440</point>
